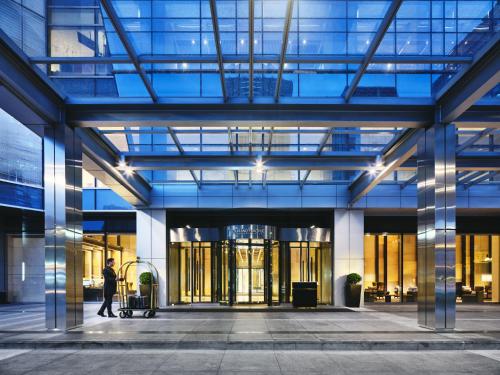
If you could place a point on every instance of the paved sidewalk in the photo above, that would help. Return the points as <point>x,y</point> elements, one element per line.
<point>377,327</point>
<point>183,362</point>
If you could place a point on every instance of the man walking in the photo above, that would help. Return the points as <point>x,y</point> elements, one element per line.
<point>109,288</point>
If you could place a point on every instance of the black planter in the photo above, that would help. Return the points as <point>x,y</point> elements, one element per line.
<point>352,295</point>
<point>145,290</point>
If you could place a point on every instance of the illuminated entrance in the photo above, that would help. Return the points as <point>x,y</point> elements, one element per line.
<point>247,264</point>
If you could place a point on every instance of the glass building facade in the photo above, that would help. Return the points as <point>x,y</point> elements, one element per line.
<point>306,116</point>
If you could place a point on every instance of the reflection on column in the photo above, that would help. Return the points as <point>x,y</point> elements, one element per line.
<point>436,227</point>
<point>63,228</point>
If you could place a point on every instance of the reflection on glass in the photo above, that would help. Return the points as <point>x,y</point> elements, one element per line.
<point>311,261</point>
<point>190,272</point>
<point>388,256</point>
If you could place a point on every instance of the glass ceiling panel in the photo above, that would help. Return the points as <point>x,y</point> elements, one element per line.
<point>171,36</point>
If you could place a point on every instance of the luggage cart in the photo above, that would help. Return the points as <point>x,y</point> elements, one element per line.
<point>130,302</point>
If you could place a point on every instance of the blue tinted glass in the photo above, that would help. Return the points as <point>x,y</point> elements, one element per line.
<point>211,85</point>
<point>414,9</point>
<point>133,8</point>
<point>130,85</point>
<point>367,9</point>
<point>109,200</point>
<point>413,85</point>
<point>21,196</point>
<point>322,9</point>
<point>172,84</point>
<point>327,85</point>
<point>322,43</point>
<point>88,199</point>
<point>176,9</point>
<point>93,226</point>
<point>473,9</point>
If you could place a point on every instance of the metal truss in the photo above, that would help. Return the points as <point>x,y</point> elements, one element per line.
<point>127,44</point>
<point>384,25</point>
<point>218,47</point>
<point>181,151</point>
<point>251,37</point>
<point>257,59</point>
<point>472,140</point>
<point>321,146</point>
<point>395,158</point>
<point>471,84</point>
<point>401,149</point>
<point>284,46</point>
<point>101,159</point>
<point>486,176</point>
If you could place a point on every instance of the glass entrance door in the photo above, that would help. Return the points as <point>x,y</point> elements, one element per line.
<point>250,279</point>
<point>250,261</point>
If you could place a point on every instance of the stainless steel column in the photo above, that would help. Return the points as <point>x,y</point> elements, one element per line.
<point>63,227</point>
<point>436,227</point>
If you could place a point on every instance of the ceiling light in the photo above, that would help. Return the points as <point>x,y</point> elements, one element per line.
<point>312,226</point>
<point>259,165</point>
<point>188,226</point>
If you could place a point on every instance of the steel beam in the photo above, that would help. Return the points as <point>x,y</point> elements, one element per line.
<point>480,179</point>
<point>270,141</point>
<point>468,143</point>
<point>377,39</point>
<point>218,47</point>
<point>470,85</point>
<point>25,92</point>
<point>251,37</point>
<point>127,44</point>
<point>410,181</point>
<point>196,180</point>
<point>284,46</point>
<point>472,177</point>
<point>393,158</point>
<point>480,116</point>
<point>321,146</point>
<point>251,115</point>
<point>245,59</point>
<point>241,160</point>
<point>101,159</point>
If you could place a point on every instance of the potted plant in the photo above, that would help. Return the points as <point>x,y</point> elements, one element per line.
<point>146,283</point>
<point>352,290</point>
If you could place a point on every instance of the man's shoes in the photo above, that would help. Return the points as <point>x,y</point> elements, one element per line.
<point>101,314</point>
<point>112,315</point>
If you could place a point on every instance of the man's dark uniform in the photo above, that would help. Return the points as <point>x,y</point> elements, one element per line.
<point>109,289</point>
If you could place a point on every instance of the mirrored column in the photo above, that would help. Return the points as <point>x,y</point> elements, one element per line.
<point>436,227</point>
<point>63,227</point>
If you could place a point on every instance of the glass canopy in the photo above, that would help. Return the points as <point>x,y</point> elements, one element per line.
<point>396,52</point>
<point>227,49</point>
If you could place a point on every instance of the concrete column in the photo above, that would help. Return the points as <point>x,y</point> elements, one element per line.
<point>63,227</point>
<point>152,245</point>
<point>348,249</point>
<point>436,198</point>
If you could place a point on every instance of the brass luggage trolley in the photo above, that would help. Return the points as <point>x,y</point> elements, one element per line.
<point>130,302</point>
